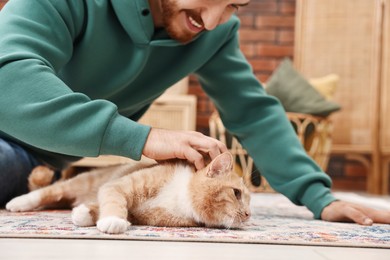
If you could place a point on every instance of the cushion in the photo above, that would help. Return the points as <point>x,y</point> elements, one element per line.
<point>326,85</point>
<point>295,92</point>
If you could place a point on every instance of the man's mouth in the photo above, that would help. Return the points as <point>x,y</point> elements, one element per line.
<point>194,23</point>
<point>195,26</point>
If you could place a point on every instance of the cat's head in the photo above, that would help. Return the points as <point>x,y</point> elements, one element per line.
<point>219,195</point>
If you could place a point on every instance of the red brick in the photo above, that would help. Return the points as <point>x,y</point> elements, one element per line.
<point>193,79</point>
<point>274,51</point>
<point>248,49</point>
<point>204,106</point>
<point>263,76</point>
<point>260,7</point>
<point>202,121</point>
<point>263,64</point>
<point>287,7</point>
<point>247,20</point>
<point>285,37</point>
<point>257,35</point>
<point>275,21</point>
<point>195,89</point>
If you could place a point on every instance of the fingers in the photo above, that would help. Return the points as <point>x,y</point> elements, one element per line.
<point>208,145</point>
<point>201,146</point>
<point>340,211</point>
<point>378,216</point>
<point>195,158</point>
<point>346,211</point>
<point>163,144</point>
<point>382,217</point>
<point>358,216</point>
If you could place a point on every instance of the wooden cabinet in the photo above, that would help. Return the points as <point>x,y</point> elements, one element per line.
<point>176,112</point>
<point>175,109</point>
<point>351,38</point>
<point>385,99</point>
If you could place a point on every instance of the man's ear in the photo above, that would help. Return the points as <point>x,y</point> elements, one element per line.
<point>221,165</point>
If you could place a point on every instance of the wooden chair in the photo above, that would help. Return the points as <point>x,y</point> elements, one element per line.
<point>315,134</point>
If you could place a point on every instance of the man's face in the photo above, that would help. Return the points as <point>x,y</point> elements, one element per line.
<point>184,19</point>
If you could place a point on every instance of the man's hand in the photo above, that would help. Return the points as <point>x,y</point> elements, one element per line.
<point>341,211</point>
<point>163,144</point>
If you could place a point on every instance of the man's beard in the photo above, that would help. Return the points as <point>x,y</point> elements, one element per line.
<point>169,13</point>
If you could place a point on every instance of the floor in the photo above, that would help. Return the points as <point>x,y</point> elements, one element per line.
<point>75,249</point>
<point>45,249</point>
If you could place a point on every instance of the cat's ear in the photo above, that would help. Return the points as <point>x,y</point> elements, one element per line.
<point>221,165</point>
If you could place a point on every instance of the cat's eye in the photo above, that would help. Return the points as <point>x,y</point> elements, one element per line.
<point>237,193</point>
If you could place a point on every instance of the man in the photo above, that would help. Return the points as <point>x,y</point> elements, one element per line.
<point>76,75</point>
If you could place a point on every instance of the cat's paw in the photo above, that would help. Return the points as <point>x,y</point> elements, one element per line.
<point>112,225</point>
<point>81,216</point>
<point>40,176</point>
<point>25,202</point>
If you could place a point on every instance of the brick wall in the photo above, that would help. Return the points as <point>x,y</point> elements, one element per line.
<point>266,37</point>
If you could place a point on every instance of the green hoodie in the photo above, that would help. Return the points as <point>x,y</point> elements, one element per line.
<point>76,75</point>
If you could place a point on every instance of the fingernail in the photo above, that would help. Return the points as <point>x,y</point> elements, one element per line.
<point>367,221</point>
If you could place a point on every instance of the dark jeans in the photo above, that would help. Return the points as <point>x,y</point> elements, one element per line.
<point>15,167</point>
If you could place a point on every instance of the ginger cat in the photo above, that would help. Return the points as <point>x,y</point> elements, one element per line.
<point>167,194</point>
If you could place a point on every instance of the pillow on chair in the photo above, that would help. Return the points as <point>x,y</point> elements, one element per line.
<point>296,94</point>
<point>326,85</point>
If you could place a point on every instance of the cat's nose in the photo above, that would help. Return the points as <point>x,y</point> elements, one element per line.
<point>247,214</point>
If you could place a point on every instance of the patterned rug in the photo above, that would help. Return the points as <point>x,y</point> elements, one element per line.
<point>275,220</point>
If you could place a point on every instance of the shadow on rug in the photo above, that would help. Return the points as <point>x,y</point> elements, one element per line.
<point>275,220</point>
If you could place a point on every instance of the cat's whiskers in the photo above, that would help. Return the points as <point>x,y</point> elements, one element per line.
<point>246,181</point>
<point>234,219</point>
<point>228,222</point>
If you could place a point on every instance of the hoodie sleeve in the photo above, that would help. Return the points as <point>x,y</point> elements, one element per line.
<point>36,106</point>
